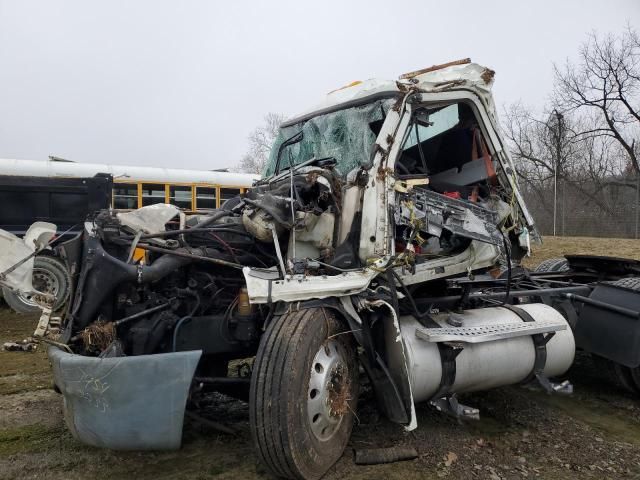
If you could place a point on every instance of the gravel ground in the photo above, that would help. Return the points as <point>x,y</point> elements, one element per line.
<point>523,433</point>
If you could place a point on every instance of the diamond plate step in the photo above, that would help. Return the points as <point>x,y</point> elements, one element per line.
<point>488,333</point>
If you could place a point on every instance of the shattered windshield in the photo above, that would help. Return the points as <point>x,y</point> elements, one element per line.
<point>347,135</point>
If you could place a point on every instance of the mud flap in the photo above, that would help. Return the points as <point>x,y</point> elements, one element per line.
<point>609,334</point>
<point>125,403</point>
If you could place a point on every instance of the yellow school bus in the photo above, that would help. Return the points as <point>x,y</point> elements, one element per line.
<point>135,187</point>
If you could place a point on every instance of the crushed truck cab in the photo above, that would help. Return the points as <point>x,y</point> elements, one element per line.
<point>383,238</point>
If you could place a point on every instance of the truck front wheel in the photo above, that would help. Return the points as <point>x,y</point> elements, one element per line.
<point>304,390</point>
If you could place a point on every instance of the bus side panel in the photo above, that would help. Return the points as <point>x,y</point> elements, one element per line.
<point>64,202</point>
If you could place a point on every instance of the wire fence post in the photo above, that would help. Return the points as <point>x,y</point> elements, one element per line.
<point>564,206</point>
<point>637,202</point>
<point>555,199</point>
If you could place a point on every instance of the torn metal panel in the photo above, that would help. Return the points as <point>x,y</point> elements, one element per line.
<point>125,403</point>
<point>376,236</point>
<point>478,255</point>
<point>432,212</point>
<point>294,288</point>
<point>470,75</point>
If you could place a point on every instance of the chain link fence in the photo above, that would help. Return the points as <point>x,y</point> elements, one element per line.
<point>611,209</point>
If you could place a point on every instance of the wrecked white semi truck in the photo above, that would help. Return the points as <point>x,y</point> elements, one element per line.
<point>380,247</point>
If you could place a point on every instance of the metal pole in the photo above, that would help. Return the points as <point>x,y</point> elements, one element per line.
<point>558,139</point>
<point>637,202</point>
<point>555,197</point>
<point>564,205</point>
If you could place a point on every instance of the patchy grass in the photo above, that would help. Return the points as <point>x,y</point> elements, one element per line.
<point>559,246</point>
<point>32,438</point>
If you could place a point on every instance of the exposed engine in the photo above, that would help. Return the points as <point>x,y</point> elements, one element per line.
<point>143,288</point>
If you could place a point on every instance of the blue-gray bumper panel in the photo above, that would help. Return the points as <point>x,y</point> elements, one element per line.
<point>125,403</point>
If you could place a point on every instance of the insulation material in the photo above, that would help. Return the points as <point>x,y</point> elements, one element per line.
<point>149,219</point>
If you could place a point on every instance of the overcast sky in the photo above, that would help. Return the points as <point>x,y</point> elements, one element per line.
<point>182,83</point>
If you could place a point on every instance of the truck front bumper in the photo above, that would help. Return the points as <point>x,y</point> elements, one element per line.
<point>125,403</point>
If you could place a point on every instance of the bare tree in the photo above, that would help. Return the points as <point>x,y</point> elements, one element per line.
<point>606,82</point>
<point>542,149</point>
<point>552,152</point>
<point>260,141</point>
<point>581,154</point>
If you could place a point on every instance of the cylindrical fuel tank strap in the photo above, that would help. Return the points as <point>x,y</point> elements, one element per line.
<point>448,354</point>
<point>540,341</point>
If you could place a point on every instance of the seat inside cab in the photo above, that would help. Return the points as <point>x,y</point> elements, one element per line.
<point>446,144</point>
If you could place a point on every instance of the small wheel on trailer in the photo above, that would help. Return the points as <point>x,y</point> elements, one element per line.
<point>50,275</point>
<point>304,390</point>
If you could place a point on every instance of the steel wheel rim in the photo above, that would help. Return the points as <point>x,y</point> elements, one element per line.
<point>329,387</point>
<point>43,281</point>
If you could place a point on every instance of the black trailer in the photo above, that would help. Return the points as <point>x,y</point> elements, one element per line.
<point>65,202</point>
<point>606,320</point>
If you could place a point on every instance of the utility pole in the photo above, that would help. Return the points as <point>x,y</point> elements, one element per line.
<point>564,205</point>
<point>555,198</point>
<point>557,136</point>
<point>637,202</point>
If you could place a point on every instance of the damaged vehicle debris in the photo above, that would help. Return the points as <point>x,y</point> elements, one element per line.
<point>383,239</point>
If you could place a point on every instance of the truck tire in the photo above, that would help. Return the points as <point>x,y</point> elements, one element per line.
<point>618,374</point>
<point>304,390</point>
<point>49,276</point>
<point>559,264</point>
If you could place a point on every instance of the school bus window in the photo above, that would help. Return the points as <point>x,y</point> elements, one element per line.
<point>152,193</point>
<point>205,198</point>
<point>227,193</point>
<point>125,195</point>
<point>180,196</point>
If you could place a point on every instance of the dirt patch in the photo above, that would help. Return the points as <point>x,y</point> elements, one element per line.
<point>21,371</point>
<point>522,433</point>
<point>30,407</point>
